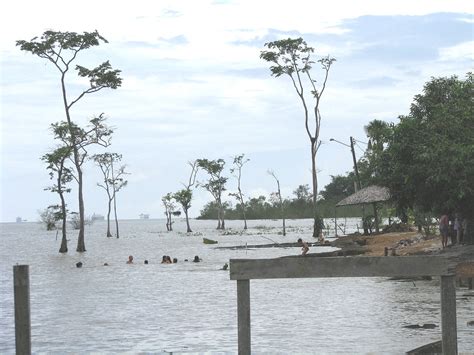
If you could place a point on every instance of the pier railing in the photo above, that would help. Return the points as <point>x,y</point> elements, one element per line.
<point>244,270</point>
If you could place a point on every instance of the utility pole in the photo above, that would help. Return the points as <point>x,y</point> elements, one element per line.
<point>356,170</point>
<point>357,185</point>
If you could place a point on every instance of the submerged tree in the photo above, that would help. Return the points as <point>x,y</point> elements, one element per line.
<point>112,183</point>
<point>170,207</point>
<point>185,196</point>
<point>239,162</point>
<point>62,175</point>
<point>292,57</point>
<point>215,185</point>
<point>279,199</point>
<point>79,139</point>
<point>61,49</point>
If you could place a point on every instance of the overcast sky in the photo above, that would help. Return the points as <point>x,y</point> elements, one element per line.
<point>195,87</point>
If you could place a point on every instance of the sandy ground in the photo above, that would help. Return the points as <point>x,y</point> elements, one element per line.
<point>414,243</point>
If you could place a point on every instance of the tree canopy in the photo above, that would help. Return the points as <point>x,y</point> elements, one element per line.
<point>429,161</point>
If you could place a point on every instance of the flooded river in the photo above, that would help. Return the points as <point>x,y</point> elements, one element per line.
<point>191,307</point>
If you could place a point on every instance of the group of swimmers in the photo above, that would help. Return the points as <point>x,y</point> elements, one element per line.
<point>166,259</point>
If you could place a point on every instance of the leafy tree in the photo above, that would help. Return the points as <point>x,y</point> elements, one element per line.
<point>379,134</point>
<point>61,49</point>
<point>339,188</point>
<point>429,161</point>
<point>62,174</point>
<point>170,206</point>
<point>239,162</point>
<point>49,216</point>
<point>185,196</point>
<point>280,199</point>
<point>113,182</point>
<point>292,57</point>
<point>215,185</point>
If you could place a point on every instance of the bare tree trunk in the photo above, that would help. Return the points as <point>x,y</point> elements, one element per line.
<point>81,247</point>
<point>115,215</point>
<point>316,228</point>
<point>63,248</point>
<point>218,218</point>
<point>187,221</point>
<point>222,218</point>
<point>109,235</point>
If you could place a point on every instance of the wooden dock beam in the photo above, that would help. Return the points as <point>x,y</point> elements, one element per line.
<point>244,270</point>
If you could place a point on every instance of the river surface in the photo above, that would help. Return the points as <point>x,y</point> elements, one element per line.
<point>191,307</point>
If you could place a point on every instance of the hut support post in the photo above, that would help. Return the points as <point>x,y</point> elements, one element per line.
<point>448,314</point>
<point>376,217</point>
<point>243,316</point>
<point>335,220</point>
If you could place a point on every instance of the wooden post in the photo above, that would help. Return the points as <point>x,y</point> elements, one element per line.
<point>21,287</point>
<point>376,218</point>
<point>243,316</point>
<point>448,315</point>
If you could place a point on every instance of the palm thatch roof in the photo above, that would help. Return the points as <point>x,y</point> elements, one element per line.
<point>369,194</point>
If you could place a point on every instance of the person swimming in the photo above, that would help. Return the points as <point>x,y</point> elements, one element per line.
<point>197,259</point>
<point>130,259</point>
<point>166,259</point>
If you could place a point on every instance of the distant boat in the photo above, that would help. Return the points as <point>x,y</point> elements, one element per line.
<point>209,241</point>
<point>20,220</point>
<point>97,217</point>
<point>144,216</point>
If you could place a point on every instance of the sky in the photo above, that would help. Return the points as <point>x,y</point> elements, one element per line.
<point>195,87</point>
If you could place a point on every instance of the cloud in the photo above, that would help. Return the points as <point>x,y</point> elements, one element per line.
<point>460,52</point>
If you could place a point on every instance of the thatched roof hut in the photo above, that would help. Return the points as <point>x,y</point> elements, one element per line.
<point>369,194</point>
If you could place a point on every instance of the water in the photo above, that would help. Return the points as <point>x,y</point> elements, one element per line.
<point>191,307</point>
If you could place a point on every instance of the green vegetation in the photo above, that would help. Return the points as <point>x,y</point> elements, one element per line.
<point>298,207</point>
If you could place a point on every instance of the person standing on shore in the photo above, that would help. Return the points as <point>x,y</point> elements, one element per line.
<point>444,229</point>
<point>305,247</point>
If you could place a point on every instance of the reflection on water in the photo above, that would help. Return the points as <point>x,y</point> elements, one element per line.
<point>191,307</point>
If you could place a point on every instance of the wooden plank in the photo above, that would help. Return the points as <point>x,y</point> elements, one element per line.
<point>21,290</point>
<point>302,267</point>
<point>448,315</point>
<point>243,316</point>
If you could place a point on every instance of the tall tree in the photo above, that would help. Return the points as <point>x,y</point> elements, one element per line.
<point>215,185</point>
<point>292,57</point>
<point>429,161</point>
<point>185,196</point>
<point>113,181</point>
<point>239,162</point>
<point>170,206</point>
<point>61,49</point>
<point>280,199</point>
<point>62,174</point>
